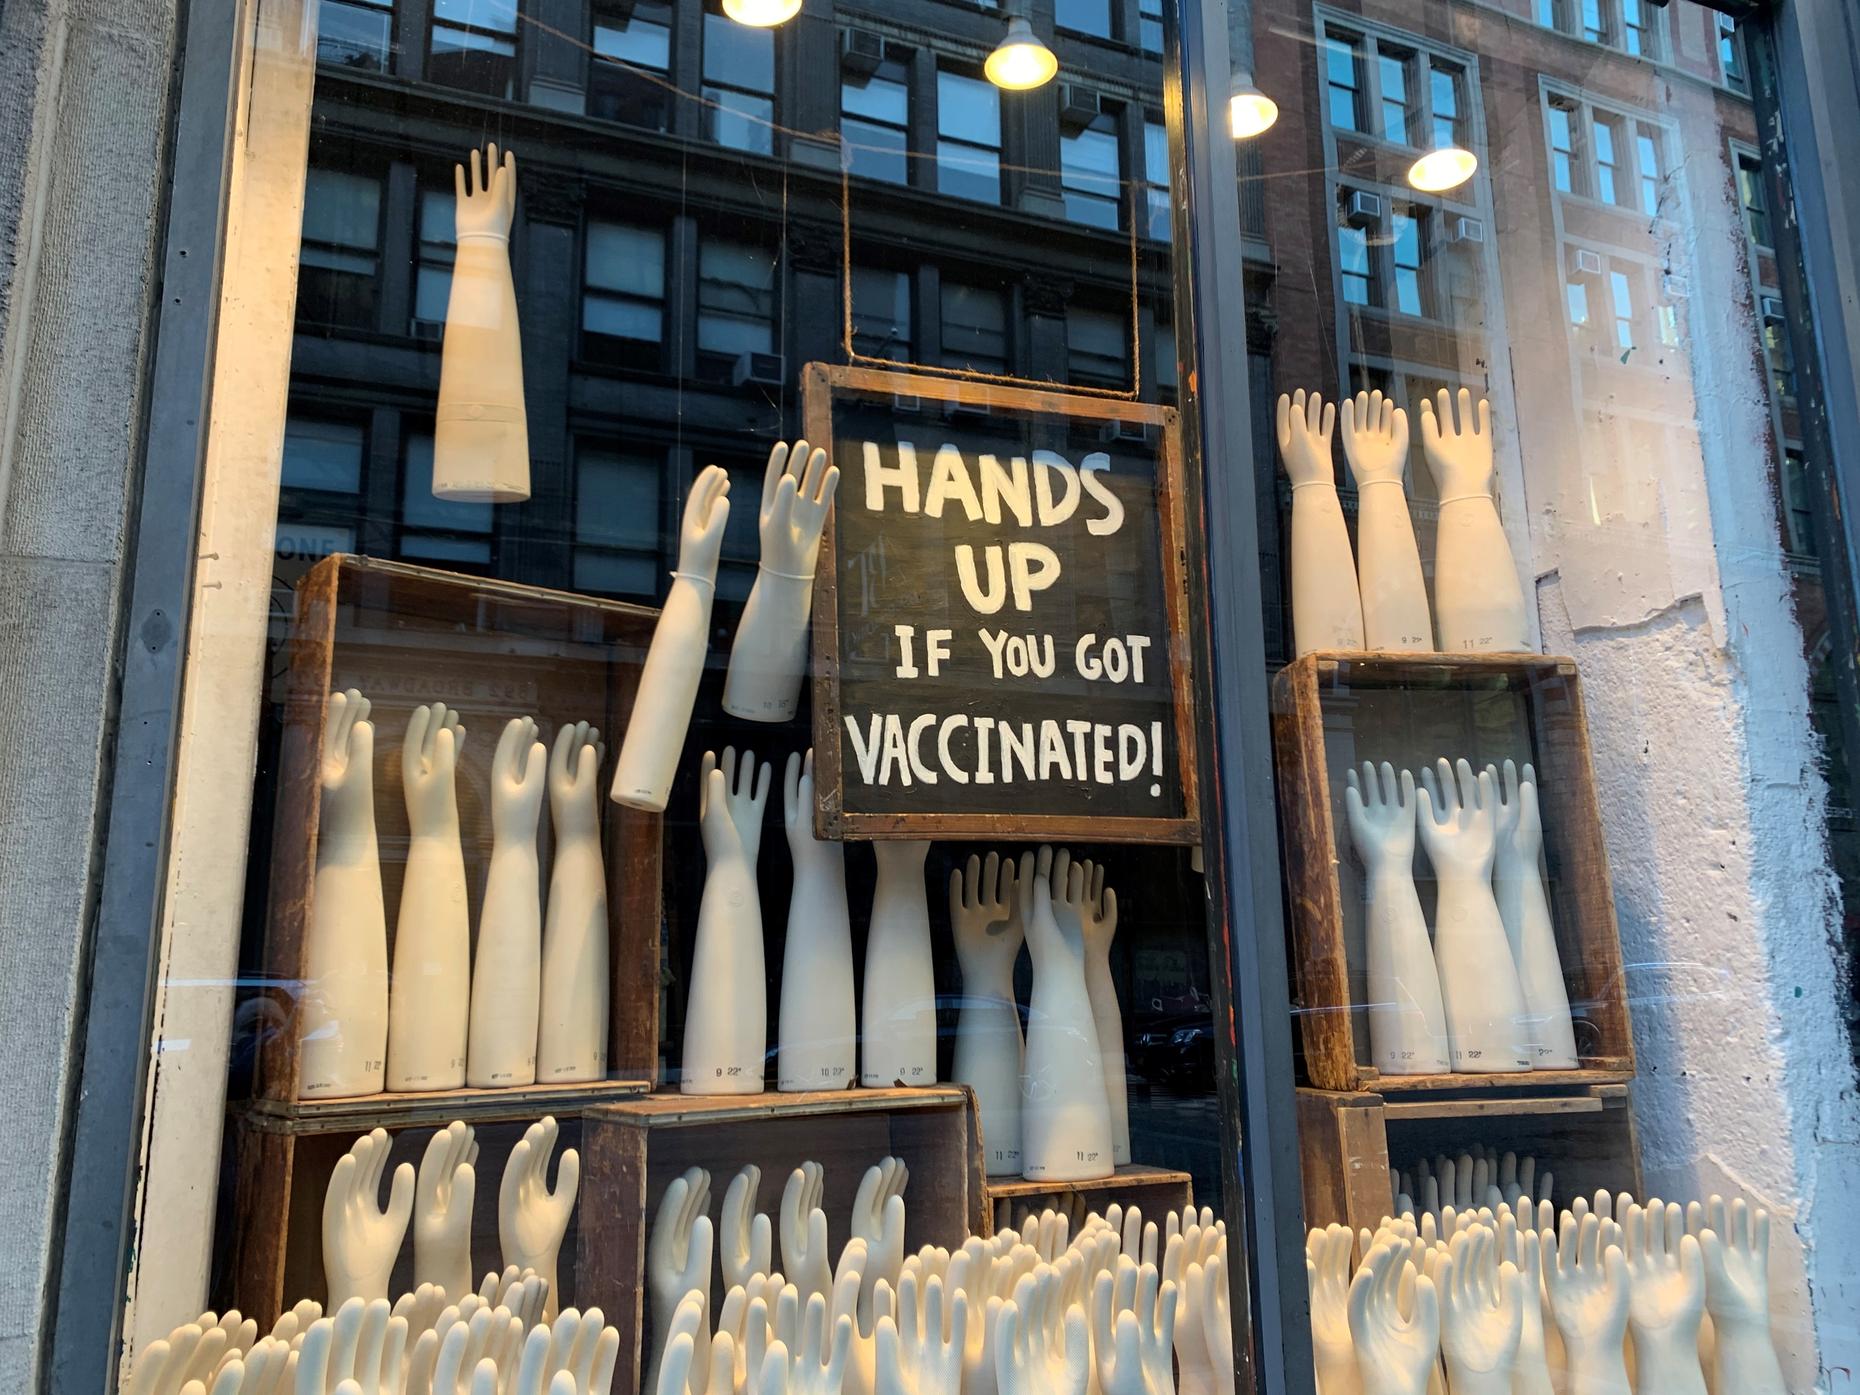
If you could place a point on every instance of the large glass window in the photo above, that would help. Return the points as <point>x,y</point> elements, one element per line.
<point>735,299</point>
<point>1343,77</point>
<point>739,85</point>
<point>968,145</point>
<point>1086,16</point>
<point>881,311</point>
<point>623,294</point>
<point>432,284</point>
<point>356,34</point>
<point>617,523</point>
<point>1097,348</point>
<point>340,255</point>
<point>474,46</point>
<point>875,120</point>
<point>629,70</point>
<point>1091,172</point>
<point>975,328</point>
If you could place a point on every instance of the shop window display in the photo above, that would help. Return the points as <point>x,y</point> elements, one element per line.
<point>737,890</point>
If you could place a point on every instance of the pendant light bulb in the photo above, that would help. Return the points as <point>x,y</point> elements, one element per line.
<point>1443,168</point>
<point>1250,112</point>
<point>762,14</point>
<point>1020,62</point>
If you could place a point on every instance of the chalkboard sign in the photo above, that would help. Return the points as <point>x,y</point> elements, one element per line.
<point>1000,636</point>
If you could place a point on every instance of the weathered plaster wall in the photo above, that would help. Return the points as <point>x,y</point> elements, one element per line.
<point>1712,793</point>
<point>84,88</point>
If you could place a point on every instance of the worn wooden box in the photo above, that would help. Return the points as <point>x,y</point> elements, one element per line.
<point>1335,710</point>
<point>1155,1189</point>
<point>284,1155</point>
<point>1350,1143</point>
<point>493,650</point>
<point>633,1151</point>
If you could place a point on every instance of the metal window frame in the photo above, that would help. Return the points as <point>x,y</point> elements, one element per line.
<point>1804,65</point>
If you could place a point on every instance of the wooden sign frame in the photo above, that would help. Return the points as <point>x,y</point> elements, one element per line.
<point>820,382</point>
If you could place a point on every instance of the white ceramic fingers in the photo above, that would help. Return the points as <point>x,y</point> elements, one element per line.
<point>1396,1345</point>
<point>897,1042</point>
<point>1065,1113</point>
<point>746,1241</point>
<point>726,1018</point>
<point>1481,1312</point>
<point>531,1217</point>
<point>1587,1283</point>
<point>804,1255</point>
<point>572,1041</point>
<point>816,1029</point>
<point>1524,906</point>
<point>481,447</point>
<point>360,1237</point>
<point>343,1016</point>
<point>1478,600</point>
<point>1666,1298</point>
<point>1735,1248</point>
<point>1407,1021</point>
<point>678,1257</point>
<point>442,1205</point>
<point>769,656</point>
<point>984,918</point>
<point>1327,612</point>
<point>507,973</point>
<point>429,1002</point>
<point>1394,591</point>
<point>1098,921</point>
<point>668,684</point>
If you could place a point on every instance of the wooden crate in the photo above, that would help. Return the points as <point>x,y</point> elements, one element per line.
<point>284,1155</point>
<point>1335,710</point>
<point>635,1149</point>
<point>494,650</point>
<point>1349,1142</point>
<point>1155,1189</point>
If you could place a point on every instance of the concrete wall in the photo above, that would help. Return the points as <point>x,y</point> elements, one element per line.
<point>84,94</point>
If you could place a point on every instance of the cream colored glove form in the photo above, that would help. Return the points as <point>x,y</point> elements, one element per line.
<point>363,1343</point>
<point>1395,1354</point>
<point>361,1239</point>
<point>507,970</point>
<point>746,1240</point>
<point>1217,1323</point>
<point>1394,591</point>
<point>920,1351</point>
<point>523,1291</point>
<point>492,1338</point>
<point>1588,1286</point>
<point>1532,1376</point>
<point>804,1256</point>
<point>878,1220</point>
<point>1478,601</point>
<point>429,995</point>
<point>1135,1353</point>
<point>817,1029</point>
<point>816,1348</point>
<point>1524,906</point>
<point>1407,1022</point>
<point>1065,1114</point>
<point>532,1218</point>
<point>1327,612</point>
<point>1481,1314</point>
<point>571,1039</point>
<point>726,1019</point>
<point>655,732</point>
<point>689,1324</point>
<point>769,658</point>
<point>442,1202</point>
<point>1194,1363</point>
<point>1042,1347</point>
<point>342,1023</point>
<point>1329,1251</point>
<point>1098,919</point>
<point>1486,1017</point>
<point>1736,1251</point>
<point>989,1047</point>
<point>678,1263</point>
<point>194,1351</point>
<point>578,1351</point>
<point>269,1368</point>
<point>1666,1299</point>
<point>855,1295</point>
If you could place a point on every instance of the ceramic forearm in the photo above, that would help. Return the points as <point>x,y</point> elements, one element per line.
<point>819,1032</point>
<point>1327,612</point>
<point>507,973</point>
<point>1407,1023</point>
<point>345,1016</point>
<point>1109,1020</point>
<point>769,658</point>
<point>1599,1373</point>
<point>1519,890</point>
<point>668,684</point>
<point>572,1040</point>
<point>481,431</point>
<point>1478,981</point>
<point>1670,1366</point>
<point>1394,590</point>
<point>726,1026</point>
<point>1746,1360</point>
<point>898,1017</point>
<point>988,1058</point>
<point>429,1004</point>
<point>1065,1117</point>
<point>1478,603</point>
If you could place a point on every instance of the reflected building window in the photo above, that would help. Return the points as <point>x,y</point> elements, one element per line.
<point>1445,83</point>
<point>1566,170</point>
<point>1359,217</point>
<point>1343,80</point>
<point>1150,25</point>
<point>356,34</point>
<point>623,295</point>
<point>1652,168</point>
<point>968,137</point>
<point>1595,26</point>
<point>1156,176</point>
<point>735,304</point>
<point>629,70</point>
<point>474,46</point>
<point>1610,156</point>
<point>1755,199</point>
<point>881,314</point>
<point>975,324</point>
<point>875,120</point>
<point>432,275</point>
<point>1084,16</point>
<point>439,530</point>
<point>1091,173</point>
<point>739,85</point>
<point>1395,77</point>
<point>1640,33</point>
<point>1621,300</point>
<point>1777,350</point>
<point>1097,348</point>
<point>323,454</point>
<point>1606,166</point>
<point>617,504</point>
<point>1408,244</point>
<point>1731,54</point>
<point>341,252</point>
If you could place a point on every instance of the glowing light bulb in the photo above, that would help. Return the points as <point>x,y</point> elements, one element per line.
<point>1250,112</point>
<point>1020,62</point>
<point>762,14</point>
<point>1440,170</point>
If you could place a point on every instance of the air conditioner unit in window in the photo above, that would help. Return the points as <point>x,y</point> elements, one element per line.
<point>1772,307</point>
<point>1583,262</point>
<point>429,329</point>
<point>861,51</point>
<point>1467,230</point>
<point>1675,286</point>
<point>905,405</point>
<point>968,407</point>
<point>1363,210</point>
<point>1078,106</point>
<point>1124,432</point>
<point>752,367</point>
